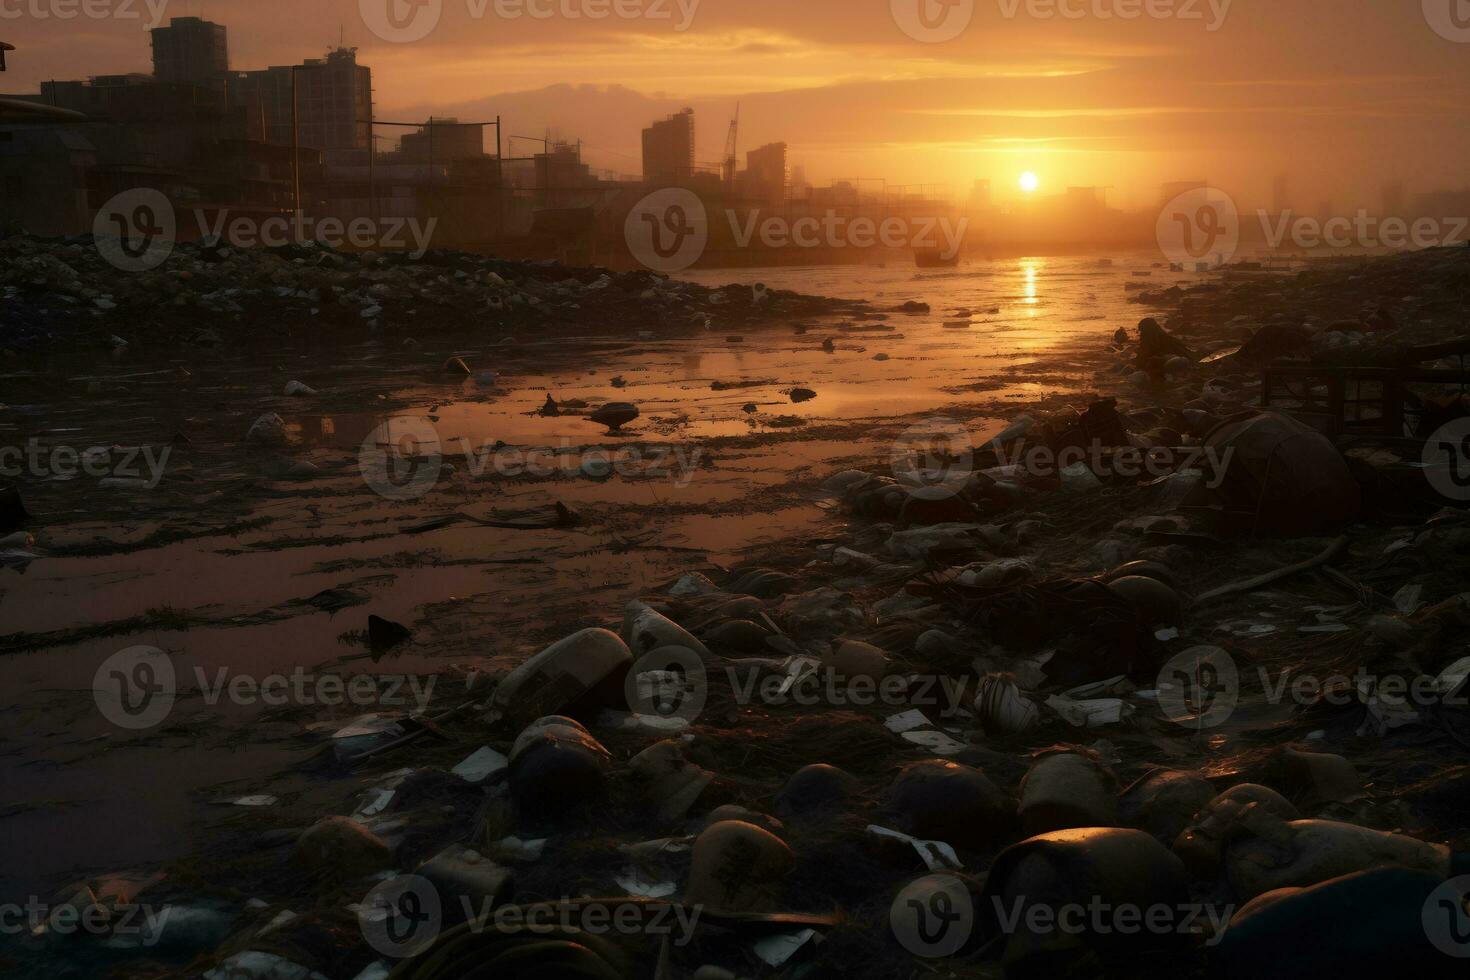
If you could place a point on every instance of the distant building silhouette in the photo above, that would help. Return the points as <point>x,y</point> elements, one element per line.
<point>668,148</point>
<point>190,50</point>
<point>765,174</point>
<point>334,100</point>
<point>443,141</point>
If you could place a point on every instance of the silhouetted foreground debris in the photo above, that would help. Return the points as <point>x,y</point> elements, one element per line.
<point>1086,719</point>
<point>64,292</point>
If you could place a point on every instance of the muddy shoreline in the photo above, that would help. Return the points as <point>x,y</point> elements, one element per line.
<point>842,578</point>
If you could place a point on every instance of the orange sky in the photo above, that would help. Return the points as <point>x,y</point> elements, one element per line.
<point>1343,96</point>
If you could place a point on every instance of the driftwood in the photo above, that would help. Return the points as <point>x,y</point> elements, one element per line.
<point>1250,584</point>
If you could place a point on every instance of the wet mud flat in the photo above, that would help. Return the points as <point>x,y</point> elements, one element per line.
<point>926,621</point>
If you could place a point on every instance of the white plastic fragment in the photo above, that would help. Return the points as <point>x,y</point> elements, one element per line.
<point>906,721</point>
<point>634,884</point>
<point>776,950</point>
<point>936,741</point>
<point>255,965</point>
<point>481,765</point>
<point>372,724</point>
<point>520,849</point>
<point>262,799</point>
<point>1408,599</point>
<point>1093,713</point>
<point>936,854</point>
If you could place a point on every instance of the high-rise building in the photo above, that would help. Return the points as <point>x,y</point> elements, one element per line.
<point>190,50</point>
<point>334,101</point>
<point>765,173</point>
<point>668,147</point>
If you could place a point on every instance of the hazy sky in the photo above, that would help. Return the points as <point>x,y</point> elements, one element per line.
<point>1342,95</point>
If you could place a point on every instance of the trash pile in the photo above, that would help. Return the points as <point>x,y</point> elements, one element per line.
<point>927,744</point>
<point>1139,687</point>
<point>1343,310</point>
<point>64,291</point>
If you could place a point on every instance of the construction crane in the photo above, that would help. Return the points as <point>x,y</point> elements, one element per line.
<point>731,158</point>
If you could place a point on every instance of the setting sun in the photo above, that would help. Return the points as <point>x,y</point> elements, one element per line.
<point>1029,182</point>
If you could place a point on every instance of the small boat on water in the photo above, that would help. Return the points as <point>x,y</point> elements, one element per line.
<point>934,258</point>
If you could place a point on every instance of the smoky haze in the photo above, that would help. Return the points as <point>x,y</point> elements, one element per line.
<point>1344,101</point>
